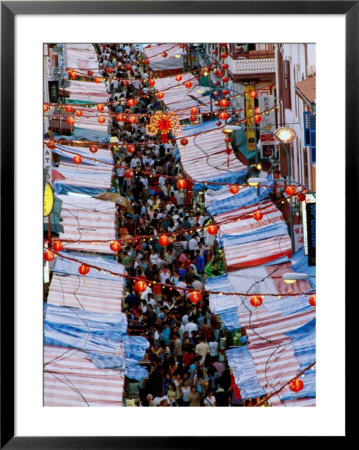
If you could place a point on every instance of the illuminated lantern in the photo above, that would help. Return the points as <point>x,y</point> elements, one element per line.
<point>228,140</point>
<point>151,82</point>
<point>312,300</point>
<point>125,83</point>
<point>90,72</point>
<point>97,80</point>
<point>93,148</point>
<point>223,45</point>
<point>193,118</point>
<point>49,255</point>
<point>234,189</point>
<point>258,119</point>
<point>140,286</point>
<point>115,246</point>
<point>182,45</point>
<point>160,95</point>
<point>101,119</point>
<point>257,110</point>
<point>84,269</point>
<point>225,66</point>
<point>301,197</point>
<point>109,70</point>
<point>215,93</point>
<point>215,51</point>
<point>256,301</point>
<point>253,94</point>
<point>178,77</point>
<point>228,150</point>
<point>296,385</point>
<point>213,229</point>
<point>131,149</point>
<point>73,75</point>
<point>128,173</point>
<point>224,55</point>
<point>181,184</point>
<point>290,190</point>
<point>57,246</point>
<point>164,55</point>
<point>132,119</point>
<point>218,73</point>
<point>188,84</point>
<point>224,103</point>
<point>225,79</point>
<point>51,145</point>
<point>100,107</point>
<point>146,62</point>
<point>77,159</point>
<point>225,92</point>
<point>258,215</point>
<point>46,107</point>
<point>131,102</point>
<point>194,110</point>
<point>69,108</point>
<point>164,241</point>
<point>223,115</point>
<point>70,120</point>
<point>184,141</point>
<point>78,113</point>
<point>195,297</point>
<point>121,118</point>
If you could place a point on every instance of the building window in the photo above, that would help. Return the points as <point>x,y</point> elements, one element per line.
<point>287,99</point>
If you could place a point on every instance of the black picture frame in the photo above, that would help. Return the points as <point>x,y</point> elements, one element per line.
<point>9,9</point>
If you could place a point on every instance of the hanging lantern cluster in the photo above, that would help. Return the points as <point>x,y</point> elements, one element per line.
<point>49,255</point>
<point>164,123</point>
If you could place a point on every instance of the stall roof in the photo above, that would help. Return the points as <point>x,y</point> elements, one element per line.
<point>82,56</point>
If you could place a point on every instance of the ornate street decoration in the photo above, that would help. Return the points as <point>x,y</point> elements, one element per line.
<point>164,123</point>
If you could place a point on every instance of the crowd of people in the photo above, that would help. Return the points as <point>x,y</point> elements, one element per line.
<point>186,358</point>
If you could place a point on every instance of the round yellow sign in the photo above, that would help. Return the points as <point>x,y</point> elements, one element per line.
<point>48,200</point>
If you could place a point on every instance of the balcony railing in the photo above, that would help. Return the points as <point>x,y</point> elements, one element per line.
<point>251,66</point>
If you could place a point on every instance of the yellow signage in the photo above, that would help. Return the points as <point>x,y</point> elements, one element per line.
<point>251,145</point>
<point>48,200</point>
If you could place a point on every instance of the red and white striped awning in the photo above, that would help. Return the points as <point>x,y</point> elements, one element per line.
<point>86,91</point>
<point>82,56</point>
<point>71,379</point>
<point>154,52</point>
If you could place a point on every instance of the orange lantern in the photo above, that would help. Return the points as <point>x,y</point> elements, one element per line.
<point>290,190</point>
<point>225,92</point>
<point>151,82</point>
<point>51,145</point>
<point>160,95</point>
<point>225,79</point>
<point>234,189</point>
<point>57,246</point>
<point>78,113</point>
<point>253,93</point>
<point>225,66</point>
<point>223,115</point>
<point>296,385</point>
<point>90,72</point>
<point>101,119</point>
<point>100,107</point>
<point>97,80</point>
<point>77,159</point>
<point>131,149</point>
<point>301,197</point>
<point>70,120</point>
<point>93,148</point>
<point>181,184</point>
<point>140,286</point>
<point>73,75</point>
<point>257,215</point>
<point>69,108</point>
<point>164,54</point>
<point>312,300</point>
<point>163,240</point>
<point>188,84</point>
<point>193,118</point>
<point>115,246</point>
<point>184,141</point>
<point>224,55</point>
<point>195,297</point>
<point>224,103</point>
<point>121,118</point>
<point>125,83</point>
<point>146,62</point>
<point>46,107</point>
<point>178,77</point>
<point>258,119</point>
<point>131,102</point>
<point>256,301</point>
<point>84,269</point>
<point>194,110</point>
<point>109,70</point>
<point>49,255</point>
<point>128,173</point>
<point>213,229</point>
<point>132,119</point>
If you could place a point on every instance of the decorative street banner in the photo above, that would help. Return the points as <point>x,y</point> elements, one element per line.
<point>251,142</point>
<point>266,103</point>
<point>311,230</point>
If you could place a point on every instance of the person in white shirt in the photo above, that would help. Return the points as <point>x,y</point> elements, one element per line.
<point>190,326</point>
<point>193,244</point>
<point>181,284</point>
<point>134,162</point>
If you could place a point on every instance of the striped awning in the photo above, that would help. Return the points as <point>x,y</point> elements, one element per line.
<point>86,91</point>
<point>82,57</point>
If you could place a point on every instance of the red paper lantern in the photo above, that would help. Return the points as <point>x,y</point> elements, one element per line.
<point>160,95</point>
<point>109,70</point>
<point>70,120</point>
<point>125,83</point>
<point>215,51</point>
<point>234,189</point>
<point>93,148</point>
<point>257,215</point>
<point>140,286</point>
<point>301,197</point>
<point>225,66</point>
<point>253,93</point>
<point>131,149</point>
<point>258,119</point>
<point>181,184</point>
<point>46,107</point>
<point>213,229</point>
<point>223,115</point>
<point>227,140</point>
<point>312,300</point>
<point>51,145</point>
<point>90,72</point>
<point>228,151</point>
<point>77,159</point>
<point>256,301</point>
<point>97,80</point>
<point>151,82</point>
<point>146,62</point>
<point>115,246</point>
<point>132,119</point>
<point>194,110</point>
<point>131,102</point>
<point>164,54</point>
<point>225,92</point>
<point>163,240</point>
<point>69,108</point>
<point>128,173</point>
<point>193,118</point>
<point>224,103</point>
<point>78,113</point>
<point>101,119</point>
<point>73,75</point>
<point>84,269</point>
<point>218,73</point>
<point>57,246</point>
<point>290,190</point>
<point>225,79</point>
<point>178,77</point>
<point>224,55</point>
<point>100,107</point>
<point>195,297</point>
<point>188,84</point>
<point>296,385</point>
<point>49,255</point>
<point>182,45</point>
<point>121,118</point>
<point>257,110</point>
